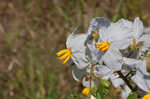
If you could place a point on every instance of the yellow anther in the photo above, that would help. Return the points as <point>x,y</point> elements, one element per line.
<point>147,96</point>
<point>86,91</point>
<point>117,91</point>
<point>64,54</point>
<point>61,52</point>
<point>66,59</point>
<point>103,46</point>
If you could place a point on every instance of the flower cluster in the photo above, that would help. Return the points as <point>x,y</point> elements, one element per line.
<point>118,52</point>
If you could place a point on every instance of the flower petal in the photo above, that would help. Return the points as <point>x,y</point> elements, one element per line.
<point>113,59</point>
<point>78,74</point>
<point>142,77</point>
<point>138,28</point>
<point>118,33</point>
<point>98,23</point>
<point>77,44</point>
<point>103,71</point>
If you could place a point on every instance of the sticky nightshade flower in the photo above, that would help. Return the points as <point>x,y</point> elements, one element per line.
<point>93,35</point>
<point>77,44</point>
<point>116,36</point>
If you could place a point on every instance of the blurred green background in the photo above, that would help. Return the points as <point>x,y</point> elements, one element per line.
<point>32,31</point>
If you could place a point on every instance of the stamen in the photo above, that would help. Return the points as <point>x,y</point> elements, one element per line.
<point>61,52</point>
<point>147,96</point>
<point>67,59</point>
<point>64,54</point>
<point>103,46</point>
<point>86,91</point>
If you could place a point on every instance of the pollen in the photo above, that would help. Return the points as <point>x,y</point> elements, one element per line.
<point>103,46</point>
<point>86,91</point>
<point>64,55</point>
<point>147,96</point>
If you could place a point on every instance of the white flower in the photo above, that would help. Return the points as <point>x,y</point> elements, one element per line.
<point>113,59</point>
<point>138,28</point>
<point>92,53</point>
<point>95,26</point>
<point>76,43</point>
<point>118,34</point>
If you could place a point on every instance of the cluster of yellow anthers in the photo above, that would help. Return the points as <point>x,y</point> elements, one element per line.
<point>64,54</point>
<point>86,91</point>
<point>147,96</point>
<point>103,46</point>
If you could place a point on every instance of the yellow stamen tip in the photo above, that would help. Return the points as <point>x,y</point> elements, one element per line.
<point>86,91</point>
<point>61,52</point>
<point>147,96</point>
<point>64,55</point>
<point>103,46</point>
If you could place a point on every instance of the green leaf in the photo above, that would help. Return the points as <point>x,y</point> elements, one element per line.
<point>105,83</point>
<point>132,96</point>
<point>100,93</point>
